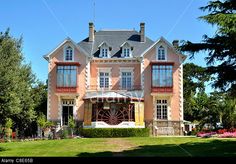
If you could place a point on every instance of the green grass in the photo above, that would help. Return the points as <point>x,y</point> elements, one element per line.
<point>133,146</point>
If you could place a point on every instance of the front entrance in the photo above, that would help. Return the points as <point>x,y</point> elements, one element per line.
<point>67,112</point>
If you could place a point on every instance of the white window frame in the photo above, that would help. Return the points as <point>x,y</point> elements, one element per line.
<point>105,70</point>
<point>64,51</point>
<point>127,69</point>
<point>126,47</point>
<point>165,52</point>
<point>163,103</point>
<point>104,47</point>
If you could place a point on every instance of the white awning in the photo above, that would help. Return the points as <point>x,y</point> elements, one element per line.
<point>113,94</point>
<point>101,94</point>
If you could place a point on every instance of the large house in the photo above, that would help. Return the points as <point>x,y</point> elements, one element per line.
<point>117,78</point>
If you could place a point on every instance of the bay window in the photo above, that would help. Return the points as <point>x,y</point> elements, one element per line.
<point>162,76</point>
<point>66,76</point>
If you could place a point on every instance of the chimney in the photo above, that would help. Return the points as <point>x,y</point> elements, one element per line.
<point>175,43</point>
<point>142,32</point>
<point>91,32</point>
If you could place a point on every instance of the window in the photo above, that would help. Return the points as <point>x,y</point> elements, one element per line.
<point>104,52</point>
<point>161,54</point>
<point>126,52</point>
<point>66,76</point>
<point>162,76</point>
<point>162,109</point>
<point>104,80</point>
<point>69,54</point>
<point>126,80</point>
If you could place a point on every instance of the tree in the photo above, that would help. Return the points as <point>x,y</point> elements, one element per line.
<point>72,124</point>
<point>16,81</point>
<point>221,47</point>
<point>39,95</point>
<point>194,78</point>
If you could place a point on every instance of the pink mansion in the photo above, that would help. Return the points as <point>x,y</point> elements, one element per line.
<point>117,79</point>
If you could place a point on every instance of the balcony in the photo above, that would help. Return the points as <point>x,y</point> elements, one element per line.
<point>66,89</point>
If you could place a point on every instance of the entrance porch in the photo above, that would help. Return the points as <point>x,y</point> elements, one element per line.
<point>115,111</point>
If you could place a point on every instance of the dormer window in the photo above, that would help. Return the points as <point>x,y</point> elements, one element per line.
<point>68,53</point>
<point>126,50</point>
<point>104,50</point>
<point>161,53</point>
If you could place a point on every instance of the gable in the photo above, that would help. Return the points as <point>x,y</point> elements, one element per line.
<point>168,47</point>
<point>61,46</point>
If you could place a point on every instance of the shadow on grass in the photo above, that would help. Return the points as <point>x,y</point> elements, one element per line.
<point>2,149</point>
<point>214,148</point>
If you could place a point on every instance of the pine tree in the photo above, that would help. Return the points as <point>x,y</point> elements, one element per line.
<point>221,48</point>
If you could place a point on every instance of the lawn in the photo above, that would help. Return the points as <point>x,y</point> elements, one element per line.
<point>134,146</point>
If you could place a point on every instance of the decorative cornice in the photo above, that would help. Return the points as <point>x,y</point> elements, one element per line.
<point>115,60</point>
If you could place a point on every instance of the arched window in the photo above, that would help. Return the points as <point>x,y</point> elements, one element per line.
<point>161,53</point>
<point>69,53</point>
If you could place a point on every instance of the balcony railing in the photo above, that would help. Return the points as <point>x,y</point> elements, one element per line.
<point>168,89</point>
<point>97,87</point>
<point>66,89</point>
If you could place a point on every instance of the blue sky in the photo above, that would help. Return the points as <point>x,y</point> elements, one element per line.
<point>45,23</point>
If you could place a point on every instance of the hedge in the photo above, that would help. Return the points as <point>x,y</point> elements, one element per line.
<point>114,132</point>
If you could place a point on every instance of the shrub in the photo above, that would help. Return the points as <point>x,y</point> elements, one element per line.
<point>8,123</point>
<point>64,134</point>
<point>114,132</point>
<point>8,133</point>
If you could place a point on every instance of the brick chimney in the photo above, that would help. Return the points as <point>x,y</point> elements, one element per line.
<point>175,43</point>
<point>142,32</point>
<point>91,32</point>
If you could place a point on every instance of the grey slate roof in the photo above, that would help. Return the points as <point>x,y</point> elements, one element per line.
<point>115,38</point>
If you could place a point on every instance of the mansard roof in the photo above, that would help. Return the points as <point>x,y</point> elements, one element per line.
<point>115,38</point>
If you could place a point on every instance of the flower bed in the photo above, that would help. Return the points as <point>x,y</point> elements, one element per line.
<point>228,135</point>
<point>206,135</point>
<point>221,133</point>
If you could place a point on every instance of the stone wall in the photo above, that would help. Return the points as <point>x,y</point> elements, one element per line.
<point>165,127</point>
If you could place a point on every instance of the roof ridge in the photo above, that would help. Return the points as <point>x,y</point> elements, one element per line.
<point>117,29</point>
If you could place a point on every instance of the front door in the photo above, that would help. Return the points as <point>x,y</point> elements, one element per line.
<point>67,112</point>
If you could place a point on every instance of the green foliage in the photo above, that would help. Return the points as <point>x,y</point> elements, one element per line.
<point>64,134</point>
<point>194,78</point>
<point>114,132</point>
<point>8,123</point>
<point>39,95</point>
<point>16,83</point>
<point>221,47</point>
<point>71,122</point>
<point>72,125</point>
<point>8,133</point>
<point>41,120</point>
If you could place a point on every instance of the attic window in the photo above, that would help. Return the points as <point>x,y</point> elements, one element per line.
<point>104,50</point>
<point>68,53</point>
<point>126,50</point>
<point>161,53</point>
